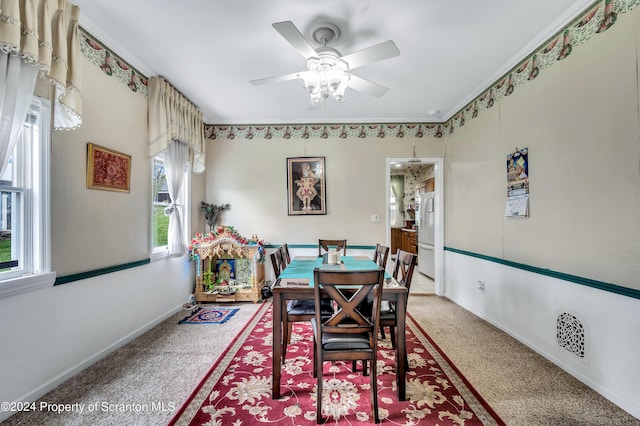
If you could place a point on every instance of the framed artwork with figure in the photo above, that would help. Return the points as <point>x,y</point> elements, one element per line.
<point>306,186</point>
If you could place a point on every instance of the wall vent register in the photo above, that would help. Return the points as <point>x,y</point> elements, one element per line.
<point>570,334</point>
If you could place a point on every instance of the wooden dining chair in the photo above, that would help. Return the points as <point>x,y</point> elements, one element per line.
<point>276,263</point>
<point>349,334</point>
<point>380,255</point>
<point>403,274</point>
<point>286,257</point>
<point>324,245</point>
<point>297,310</point>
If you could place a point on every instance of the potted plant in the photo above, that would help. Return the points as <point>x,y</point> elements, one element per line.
<point>212,211</point>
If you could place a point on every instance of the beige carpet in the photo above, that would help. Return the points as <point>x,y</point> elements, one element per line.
<point>146,380</point>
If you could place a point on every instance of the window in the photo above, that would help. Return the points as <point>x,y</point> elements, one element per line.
<point>160,200</point>
<point>24,207</point>
<point>160,197</point>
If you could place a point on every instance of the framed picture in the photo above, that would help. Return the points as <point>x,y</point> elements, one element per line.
<point>306,186</point>
<point>107,169</point>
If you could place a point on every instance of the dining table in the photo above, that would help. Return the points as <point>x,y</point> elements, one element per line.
<point>296,282</point>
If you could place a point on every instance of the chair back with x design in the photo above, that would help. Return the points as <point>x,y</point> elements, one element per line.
<point>403,274</point>
<point>276,263</point>
<point>325,245</point>
<point>380,255</point>
<point>405,264</point>
<point>350,334</point>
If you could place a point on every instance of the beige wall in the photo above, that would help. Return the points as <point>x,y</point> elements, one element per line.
<point>580,120</point>
<point>88,318</point>
<point>251,176</point>
<point>92,228</point>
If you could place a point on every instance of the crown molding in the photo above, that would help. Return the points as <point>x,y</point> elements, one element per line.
<point>594,20</point>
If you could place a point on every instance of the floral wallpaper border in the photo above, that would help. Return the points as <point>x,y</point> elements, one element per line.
<point>111,64</point>
<point>599,18</point>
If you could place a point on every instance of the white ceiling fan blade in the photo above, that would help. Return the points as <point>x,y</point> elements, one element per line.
<point>275,79</point>
<point>366,86</point>
<point>375,53</point>
<point>295,38</point>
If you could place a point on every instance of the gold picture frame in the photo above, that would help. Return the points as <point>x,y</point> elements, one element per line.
<point>108,170</point>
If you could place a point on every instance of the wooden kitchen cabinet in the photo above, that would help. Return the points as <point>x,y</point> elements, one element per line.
<point>409,241</point>
<point>430,184</point>
<point>396,240</point>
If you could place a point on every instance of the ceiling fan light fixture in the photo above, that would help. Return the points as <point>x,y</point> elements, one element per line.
<point>326,76</point>
<point>338,94</point>
<point>312,82</point>
<point>315,99</point>
<point>334,79</point>
<point>328,71</point>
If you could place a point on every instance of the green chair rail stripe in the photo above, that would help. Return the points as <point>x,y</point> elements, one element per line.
<point>96,272</point>
<point>613,288</point>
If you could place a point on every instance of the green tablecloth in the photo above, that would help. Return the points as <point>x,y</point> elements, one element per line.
<point>302,269</point>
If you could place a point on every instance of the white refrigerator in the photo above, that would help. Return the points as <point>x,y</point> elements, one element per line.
<point>426,234</point>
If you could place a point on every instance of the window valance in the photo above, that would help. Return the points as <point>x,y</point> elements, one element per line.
<point>174,117</point>
<point>45,33</point>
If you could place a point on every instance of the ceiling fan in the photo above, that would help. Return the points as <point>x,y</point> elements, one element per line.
<point>328,72</point>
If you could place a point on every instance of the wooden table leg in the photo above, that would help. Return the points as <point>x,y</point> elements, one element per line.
<point>401,345</point>
<point>277,345</point>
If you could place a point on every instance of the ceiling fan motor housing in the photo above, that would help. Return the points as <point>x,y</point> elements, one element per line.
<point>326,74</point>
<point>326,33</point>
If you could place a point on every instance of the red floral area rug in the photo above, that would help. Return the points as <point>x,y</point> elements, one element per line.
<point>209,316</point>
<point>237,389</point>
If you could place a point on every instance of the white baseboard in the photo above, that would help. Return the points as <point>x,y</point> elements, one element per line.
<point>620,402</point>
<point>42,390</point>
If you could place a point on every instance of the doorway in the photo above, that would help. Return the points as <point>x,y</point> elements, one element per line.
<point>410,167</point>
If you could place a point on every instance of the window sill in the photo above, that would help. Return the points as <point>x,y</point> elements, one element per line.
<point>159,255</point>
<point>26,284</point>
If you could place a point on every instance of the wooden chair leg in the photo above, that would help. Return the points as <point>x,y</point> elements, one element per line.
<point>382,336</point>
<point>285,338</point>
<point>374,391</point>
<point>392,333</point>
<point>315,366</point>
<point>318,366</point>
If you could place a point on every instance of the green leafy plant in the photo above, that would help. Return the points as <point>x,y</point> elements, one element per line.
<point>212,211</point>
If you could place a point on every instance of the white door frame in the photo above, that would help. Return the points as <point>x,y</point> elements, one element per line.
<point>438,162</point>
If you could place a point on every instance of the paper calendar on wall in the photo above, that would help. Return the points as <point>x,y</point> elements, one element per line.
<point>518,184</point>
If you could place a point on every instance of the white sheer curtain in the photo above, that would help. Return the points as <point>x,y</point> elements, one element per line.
<point>37,36</point>
<point>175,163</point>
<point>175,128</point>
<point>17,81</point>
<point>397,187</point>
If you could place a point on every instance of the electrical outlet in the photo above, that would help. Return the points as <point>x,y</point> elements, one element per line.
<point>375,218</point>
<point>480,285</point>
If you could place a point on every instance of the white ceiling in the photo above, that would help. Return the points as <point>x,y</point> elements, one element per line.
<point>450,51</point>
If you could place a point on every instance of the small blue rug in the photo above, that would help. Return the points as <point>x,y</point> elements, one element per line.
<point>209,316</point>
